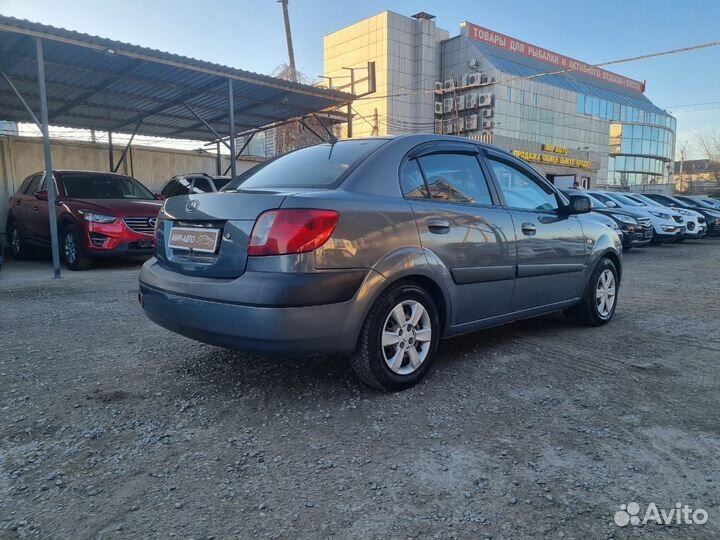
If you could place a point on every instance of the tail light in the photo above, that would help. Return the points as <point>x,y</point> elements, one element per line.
<point>293,230</point>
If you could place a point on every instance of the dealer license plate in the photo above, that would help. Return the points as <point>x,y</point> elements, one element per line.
<point>194,239</point>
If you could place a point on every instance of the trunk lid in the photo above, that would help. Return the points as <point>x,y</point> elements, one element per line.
<point>231,214</point>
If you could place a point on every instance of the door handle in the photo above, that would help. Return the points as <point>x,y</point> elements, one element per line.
<point>528,229</point>
<point>438,225</point>
<point>35,208</point>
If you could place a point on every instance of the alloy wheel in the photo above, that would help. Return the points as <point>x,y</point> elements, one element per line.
<point>15,242</point>
<point>605,293</point>
<point>407,336</point>
<point>70,248</point>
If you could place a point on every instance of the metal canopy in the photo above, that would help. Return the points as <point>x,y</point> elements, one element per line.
<point>105,85</point>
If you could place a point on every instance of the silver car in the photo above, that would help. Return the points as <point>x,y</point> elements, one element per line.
<point>377,248</point>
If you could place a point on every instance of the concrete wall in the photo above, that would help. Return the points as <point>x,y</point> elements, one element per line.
<point>22,156</point>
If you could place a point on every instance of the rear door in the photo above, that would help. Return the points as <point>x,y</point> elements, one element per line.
<point>32,207</point>
<point>460,223</point>
<point>550,244</point>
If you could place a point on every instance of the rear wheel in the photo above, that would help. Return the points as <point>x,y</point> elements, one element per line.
<point>600,298</point>
<point>17,244</point>
<point>72,250</point>
<point>398,339</point>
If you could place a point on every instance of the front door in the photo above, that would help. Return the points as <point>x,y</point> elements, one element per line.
<point>551,251</point>
<point>460,224</point>
<point>39,219</point>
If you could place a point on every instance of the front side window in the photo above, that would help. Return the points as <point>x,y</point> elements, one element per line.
<point>33,185</point>
<point>521,190</point>
<point>87,186</point>
<point>455,178</point>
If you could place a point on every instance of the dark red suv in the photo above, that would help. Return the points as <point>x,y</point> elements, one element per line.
<point>99,215</point>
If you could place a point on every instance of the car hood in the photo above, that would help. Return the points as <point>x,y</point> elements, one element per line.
<point>117,207</point>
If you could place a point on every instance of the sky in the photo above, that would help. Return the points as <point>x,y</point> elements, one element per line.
<point>250,35</point>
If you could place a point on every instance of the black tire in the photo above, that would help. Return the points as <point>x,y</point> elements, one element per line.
<point>369,361</point>
<point>587,311</point>
<point>72,250</point>
<point>18,246</point>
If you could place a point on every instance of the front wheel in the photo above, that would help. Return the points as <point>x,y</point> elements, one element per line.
<point>17,245</point>
<point>398,339</point>
<point>72,250</point>
<point>600,298</point>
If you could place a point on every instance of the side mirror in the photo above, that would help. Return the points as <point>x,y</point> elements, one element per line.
<point>41,195</point>
<point>579,204</point>
<point>159,197</point>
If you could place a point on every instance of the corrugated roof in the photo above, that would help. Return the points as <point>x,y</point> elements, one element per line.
<point>576,81</point>
<point>106,85</point>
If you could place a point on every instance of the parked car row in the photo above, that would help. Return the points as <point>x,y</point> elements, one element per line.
<point>651,217</point>
<point>99,214</point>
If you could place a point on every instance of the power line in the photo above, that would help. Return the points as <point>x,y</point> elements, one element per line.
<point>564,71</point>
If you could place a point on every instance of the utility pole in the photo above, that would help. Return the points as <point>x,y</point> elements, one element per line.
<point>288,38</point>
<point>376,127</point>
<point>682,163</point>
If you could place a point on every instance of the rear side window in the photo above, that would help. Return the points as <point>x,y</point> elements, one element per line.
<point>455,178</point>
<point>411,181</point>
<point>319,166</point>
<point>167,190</point>
<point>202,185</point>
<point>181,186</point>
<point>220,183</point>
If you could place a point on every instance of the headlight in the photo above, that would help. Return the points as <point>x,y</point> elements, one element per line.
<point>661,215</point>
<point>97,218</point>
<point>625,219</point>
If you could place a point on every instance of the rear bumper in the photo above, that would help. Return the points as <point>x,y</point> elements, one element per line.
<point>260,313</point>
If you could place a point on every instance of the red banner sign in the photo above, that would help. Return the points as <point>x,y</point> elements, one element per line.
<point>496,39</point>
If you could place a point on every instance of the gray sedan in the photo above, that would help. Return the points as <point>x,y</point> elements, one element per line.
<point>377,248</point>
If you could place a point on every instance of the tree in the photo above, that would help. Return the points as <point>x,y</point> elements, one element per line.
<point>708,146</point>
<point>294,135</point>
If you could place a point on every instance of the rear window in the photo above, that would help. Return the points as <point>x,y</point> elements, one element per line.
<point>316,166</point>
<point>88,186</point>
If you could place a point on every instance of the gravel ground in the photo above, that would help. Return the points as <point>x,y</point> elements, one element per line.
<point>115,428</point>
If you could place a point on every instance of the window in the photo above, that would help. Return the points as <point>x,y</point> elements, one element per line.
<point>521,190</point>
<point>98,186</point>
<point>220,182</point>
<point>168,189</point>
<point>202,185</point>
<point>34,185</point>
<point>319,166</point>
<point>455,178</point>
<point>411,181</point>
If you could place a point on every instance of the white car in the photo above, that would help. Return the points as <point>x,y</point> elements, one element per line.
<point>694,221</point>
<point>668,225</point>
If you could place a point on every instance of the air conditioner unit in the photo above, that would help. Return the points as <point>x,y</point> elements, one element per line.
<point>438,107</point>
<point>448,104</point>
<point>474,63</point>
<point>448,126</point>
<point>460,103</point>
<point>473,79</point>
<point>471,100</point>
<point>484,79</point>
<point>487,113</point>
<point>492,79</point>
<point>449,84</point>
<point>487,124</point>
<point>460,124</point>
<point>438,87</point>
<point>484,100</point>
<point>471,122</point>
<point>464,80</point>
<point>438,126</point>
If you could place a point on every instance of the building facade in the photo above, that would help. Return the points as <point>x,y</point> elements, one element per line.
<point>573,121</point>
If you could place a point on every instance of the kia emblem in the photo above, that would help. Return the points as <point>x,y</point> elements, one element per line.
<point>192,205</point>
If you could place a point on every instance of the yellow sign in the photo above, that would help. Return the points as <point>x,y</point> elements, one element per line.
<point>555,149</point>
<point>555,160</point>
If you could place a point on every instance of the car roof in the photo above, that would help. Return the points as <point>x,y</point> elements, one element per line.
<point>84,172</point>
<point>430,137</point>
